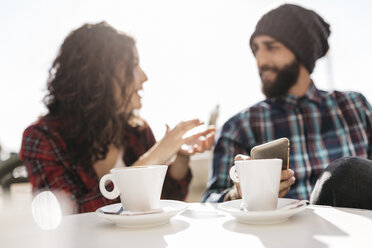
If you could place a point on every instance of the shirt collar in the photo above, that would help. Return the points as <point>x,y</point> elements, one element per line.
<point>313,94</point>
<point>288,102</point>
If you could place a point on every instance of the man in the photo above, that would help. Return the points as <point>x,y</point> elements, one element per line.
<point>321,126</point>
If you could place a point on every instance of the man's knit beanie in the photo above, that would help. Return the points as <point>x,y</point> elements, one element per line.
<point>302,30</point>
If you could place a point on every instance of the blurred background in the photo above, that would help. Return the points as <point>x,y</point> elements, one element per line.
<point>195,53</point>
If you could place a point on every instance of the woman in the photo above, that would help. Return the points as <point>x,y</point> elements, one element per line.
<point>91,127</point>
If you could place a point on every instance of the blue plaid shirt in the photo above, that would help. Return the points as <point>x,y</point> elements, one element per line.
<point>321,127</point>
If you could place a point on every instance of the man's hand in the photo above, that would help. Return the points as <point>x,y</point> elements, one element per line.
<point>234,193</point>
<point>286,180</point>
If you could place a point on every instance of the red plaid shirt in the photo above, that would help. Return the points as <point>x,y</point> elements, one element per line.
<point>50,167</point>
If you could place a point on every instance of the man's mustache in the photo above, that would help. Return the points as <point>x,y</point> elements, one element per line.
<point>268,68</point>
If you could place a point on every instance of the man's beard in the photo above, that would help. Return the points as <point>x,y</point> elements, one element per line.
<point>284,80</point>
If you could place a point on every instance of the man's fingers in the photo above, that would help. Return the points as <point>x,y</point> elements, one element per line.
<point>286,174</point>
<point>238,189</point>
<point>241,157</point>
<point>233,194</point>
<point>286,184</point>
<point>283,193</point>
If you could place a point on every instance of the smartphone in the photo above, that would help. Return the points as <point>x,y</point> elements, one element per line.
<point>274,149</point>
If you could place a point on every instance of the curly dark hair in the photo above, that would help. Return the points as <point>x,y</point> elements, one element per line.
<point>83,89</point>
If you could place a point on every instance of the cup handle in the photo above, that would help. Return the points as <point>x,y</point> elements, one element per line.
<point>108,194</point>
<point>233,174</point>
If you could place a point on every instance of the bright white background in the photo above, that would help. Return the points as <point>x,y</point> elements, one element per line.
<point>195,53</point>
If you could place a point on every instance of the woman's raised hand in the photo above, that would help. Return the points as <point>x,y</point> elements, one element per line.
<point>199,142</point>
<point>174,143</point>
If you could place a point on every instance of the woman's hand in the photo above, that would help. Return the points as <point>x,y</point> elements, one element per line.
<point>199,142</point>
<point>172,142</point>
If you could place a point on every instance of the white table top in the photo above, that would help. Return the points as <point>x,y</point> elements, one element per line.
<point>201,225</point>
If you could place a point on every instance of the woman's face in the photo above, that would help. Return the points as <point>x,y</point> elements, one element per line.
<point>139,77</point>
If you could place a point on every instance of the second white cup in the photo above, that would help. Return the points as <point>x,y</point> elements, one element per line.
<point>259,182</point>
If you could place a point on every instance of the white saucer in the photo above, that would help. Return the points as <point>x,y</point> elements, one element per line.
<point>262,217</point>
<point>170,208</point>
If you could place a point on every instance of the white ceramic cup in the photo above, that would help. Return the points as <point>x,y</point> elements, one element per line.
<point>259,182</point>
<point>139,187</point>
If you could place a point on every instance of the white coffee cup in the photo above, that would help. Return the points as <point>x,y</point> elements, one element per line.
<point>259,182</point>
<point>139,187</point>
